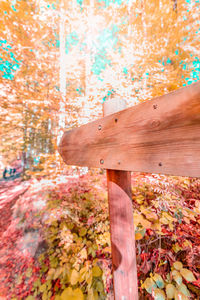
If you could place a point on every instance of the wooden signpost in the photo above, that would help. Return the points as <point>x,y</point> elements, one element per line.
<point>158,136</point>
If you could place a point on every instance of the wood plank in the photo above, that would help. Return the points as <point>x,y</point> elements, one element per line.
<point>158,136</point>
<point>124,268</point>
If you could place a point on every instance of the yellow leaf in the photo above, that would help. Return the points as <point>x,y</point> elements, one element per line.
<point>74,277</point>
<point>90,295</point>
<point>158,294</point>
<point>183,289</point>
<point>164,221</point>
<point>170,291</point>
<point>88,277</point>
<point>69,294</point>
<point>158,280</point>
<point>179,296</point>
<point>177,265</point>
<point>83,253</point>
<point>187,244</point>
<point>138,236</point>
<point>156,226</point>
<point>187,275</point>
<point>152,216</point>
<point>140,199</point>
<point>149,285</point>
<point>82,274</point>
<point>83,231</point>
<point>177,276</point>
<point>176,247</point>
<point>96,271</point>
<point>27,298</point>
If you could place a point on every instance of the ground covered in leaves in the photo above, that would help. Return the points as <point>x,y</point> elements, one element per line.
<point>55,241</point>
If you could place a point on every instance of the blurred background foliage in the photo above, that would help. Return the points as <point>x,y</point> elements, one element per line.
<point>59,60</point>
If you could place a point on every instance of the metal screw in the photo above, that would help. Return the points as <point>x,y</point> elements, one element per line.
<point>101,161</point>
<point>160,164</point>
<point>99,127</point>
<point>155,106</point>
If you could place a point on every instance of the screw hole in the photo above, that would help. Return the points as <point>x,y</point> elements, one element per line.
<point>119,162</point>
<point>116,120</point>
<point>155,106</point>
<point>160,164</point>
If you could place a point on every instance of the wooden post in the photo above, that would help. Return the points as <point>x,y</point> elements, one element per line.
<point>121,224</point>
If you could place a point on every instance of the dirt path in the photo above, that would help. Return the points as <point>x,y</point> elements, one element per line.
<point>10,192</point>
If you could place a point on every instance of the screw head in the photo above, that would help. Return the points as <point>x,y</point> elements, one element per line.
<point>99,127</point>
<point>101,161</point>
<point>160,164</point>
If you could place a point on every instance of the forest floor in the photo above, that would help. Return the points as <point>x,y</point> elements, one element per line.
<point>55,241</point>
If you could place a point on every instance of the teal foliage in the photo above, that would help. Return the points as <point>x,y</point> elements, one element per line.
<point>108,2</point>
<point>125,70</point>
<point>11,64</point>
<point>79,90</point>
<point>194,66</point>
<point>100,63</point>
<point>169,60</point>
<point>107,40</point>
<point>79,2</point>
<point>110,92</point>
<point>13,8</point>
<point>71,40</point>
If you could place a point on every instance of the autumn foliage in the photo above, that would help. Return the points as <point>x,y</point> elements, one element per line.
<point>59,61</point>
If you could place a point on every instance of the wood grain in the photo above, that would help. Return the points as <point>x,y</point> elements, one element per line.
<point>158,136</point>
<point>124,268</point>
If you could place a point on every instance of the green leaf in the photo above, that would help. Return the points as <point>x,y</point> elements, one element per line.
<point>159,281</point>
<point>170,291</point>
<point>96,271</point>
<point>158,294</point>
<point>187,275</point>
<point>149,285</point>
<point>99,287</point>
<point>178,265</point>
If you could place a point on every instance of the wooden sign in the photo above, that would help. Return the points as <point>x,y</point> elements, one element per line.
<point>158,136</point>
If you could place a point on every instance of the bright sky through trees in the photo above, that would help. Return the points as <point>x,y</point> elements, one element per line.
<point>59,60</point>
